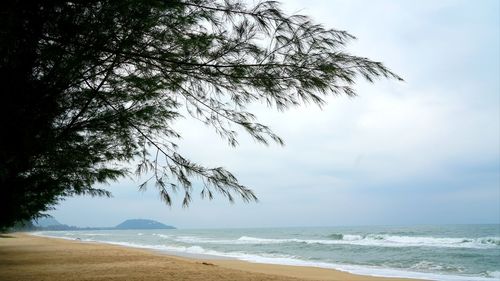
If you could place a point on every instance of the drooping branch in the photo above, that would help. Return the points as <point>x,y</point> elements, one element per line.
<point>94,85</point>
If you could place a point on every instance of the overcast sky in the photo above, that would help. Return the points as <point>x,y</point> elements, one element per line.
<point>423,151</point>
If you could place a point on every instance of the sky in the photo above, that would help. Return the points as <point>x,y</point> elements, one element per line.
<point>423,151</point>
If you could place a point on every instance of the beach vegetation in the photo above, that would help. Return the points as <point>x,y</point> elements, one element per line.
<point>92,88</point>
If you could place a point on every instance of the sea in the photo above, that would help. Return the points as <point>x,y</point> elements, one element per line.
<point>449,252</point>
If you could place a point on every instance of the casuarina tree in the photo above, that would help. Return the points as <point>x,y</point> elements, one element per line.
<point>89,87</point>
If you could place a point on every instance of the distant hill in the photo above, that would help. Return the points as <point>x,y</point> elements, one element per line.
<point>52,224</point>
<point>46,222</point>
<point>142,224</point>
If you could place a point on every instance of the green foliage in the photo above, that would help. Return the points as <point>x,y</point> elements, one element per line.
<point>90,85</point>
<point>19,226</point>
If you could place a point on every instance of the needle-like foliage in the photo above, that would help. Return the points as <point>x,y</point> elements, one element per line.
<point>90,85</point>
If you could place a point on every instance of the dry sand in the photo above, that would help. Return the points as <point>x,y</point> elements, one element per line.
<point>26,258</point>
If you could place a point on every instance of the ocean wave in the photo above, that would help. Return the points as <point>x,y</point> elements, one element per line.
<point>69,235</point>
<point>162,235</point>
<point>336,236</point>
<point>370,240</point>
<point>421,241</point>
<point>434,266</point>
<point>347,237</point>
<point>494,274</point>
<point>384,240</point>
<point>257,240</point>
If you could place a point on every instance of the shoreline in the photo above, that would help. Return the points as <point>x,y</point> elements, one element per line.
<point>235,262</point>
<point>353,269</point>
<point>29,257</point>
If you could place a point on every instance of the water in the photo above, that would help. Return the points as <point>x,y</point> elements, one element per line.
<point>452,252</point>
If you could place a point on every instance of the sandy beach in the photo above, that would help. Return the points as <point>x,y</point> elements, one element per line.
<point>24,257</point>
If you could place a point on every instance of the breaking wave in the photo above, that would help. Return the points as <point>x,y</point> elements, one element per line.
<point>377,240</point>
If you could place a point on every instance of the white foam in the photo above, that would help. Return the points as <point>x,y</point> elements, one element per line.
<point>67,233</point>
<point>161,235</point>
<point>350,237</point>
<point>446,242</point>
<point>386,241</point>
<point>374,240</point>
<point>195,239</point>
<point>43,234</point>
<point>494,274</point>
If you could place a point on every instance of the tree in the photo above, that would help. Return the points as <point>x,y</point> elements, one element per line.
<point>91,85</point>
